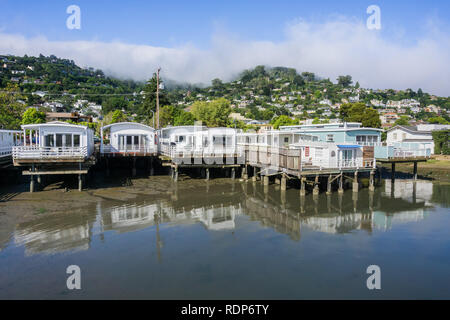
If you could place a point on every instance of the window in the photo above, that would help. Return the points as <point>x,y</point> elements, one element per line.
<point>333,154</point>
<point>68,140</point>
<point>403,136</point>
<point>59,140</point>
<point>76,140</point>
<point>394,136</point>
<point>49,140</point>
<point>286,140</point>
<point>330,137</point>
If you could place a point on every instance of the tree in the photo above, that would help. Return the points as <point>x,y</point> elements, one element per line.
<point>438,120</point>
<point>32,115</point>
<point>149,103</point>
<point>167,116</point>
<point>184,119</point>
<point>402,121</point>
<point>283,120</point>
<point>118,116</point>
<point>359,112</point>
<point>10,109</point>
<point>441,141</point>
<point>345,81</point>
<point>114,103</point>
<point>214,113</point>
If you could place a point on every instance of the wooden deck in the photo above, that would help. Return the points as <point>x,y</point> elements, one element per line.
<point>404,160</point>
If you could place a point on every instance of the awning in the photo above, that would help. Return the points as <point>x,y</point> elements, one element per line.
<point>348,146</point>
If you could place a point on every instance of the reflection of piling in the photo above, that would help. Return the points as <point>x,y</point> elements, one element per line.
<point>302,186</point>
<point>372,181</point>
<point>283,183</point>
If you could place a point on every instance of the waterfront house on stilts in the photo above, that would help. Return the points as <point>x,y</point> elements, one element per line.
<point>55,148</point>
<point>201,148</point>
<point>8,139</point>
<point>285,155</point>
<point>128,140</point>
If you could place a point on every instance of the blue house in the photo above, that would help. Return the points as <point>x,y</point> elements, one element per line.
<point>345,133</point>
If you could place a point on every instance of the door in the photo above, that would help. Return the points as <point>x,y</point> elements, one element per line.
<point>347,157</point>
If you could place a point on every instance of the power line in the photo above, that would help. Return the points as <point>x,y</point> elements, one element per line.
<point>81,94</point>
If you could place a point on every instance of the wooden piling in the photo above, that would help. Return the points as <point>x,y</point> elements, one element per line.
<point>31,184</point>
<point>316,185</point>
<point>302,187</point>
<point>341,184</point>
<point>372,181</point>
<point>80,182</point>
<point>415,170</point>
<point>133,171</point>
<point>329,184</point>
<point>355,182</point>
<point>393,171</point>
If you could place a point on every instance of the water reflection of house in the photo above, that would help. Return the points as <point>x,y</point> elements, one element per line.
<point>384,221</point>
<point>410,190</point>
<point>220,218</point>
<point>271,216</point>
<point>131,217</point>
<point>53,240</point>
<point>338,223</point>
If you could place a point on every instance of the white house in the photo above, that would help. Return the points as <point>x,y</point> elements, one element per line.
<point>55,140</point>
<point>414,139</point>
<point>8,139</point>
<point>332,155</point>
<point>125,137</point>
<point>198,139</point>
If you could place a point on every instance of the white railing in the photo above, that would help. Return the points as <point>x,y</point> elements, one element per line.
<point>402,153</point>
<point>5,151</point>
<point>356,163</point>
<point>131,149</point>
<point>369,144</point>
<point>41,153</point>
<point>177,151</point>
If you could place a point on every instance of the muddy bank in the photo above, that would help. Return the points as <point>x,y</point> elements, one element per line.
<point>437,168</point>
<point>18,205</point>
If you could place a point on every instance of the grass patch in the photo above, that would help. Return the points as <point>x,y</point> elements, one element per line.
<point>41,211</point>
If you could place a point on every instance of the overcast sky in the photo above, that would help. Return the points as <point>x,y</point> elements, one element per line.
<point>197,41</point>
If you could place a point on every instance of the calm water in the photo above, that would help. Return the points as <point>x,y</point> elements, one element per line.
<point>239,240</point>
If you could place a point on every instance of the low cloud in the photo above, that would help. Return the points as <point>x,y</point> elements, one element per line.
<point>329,49</point>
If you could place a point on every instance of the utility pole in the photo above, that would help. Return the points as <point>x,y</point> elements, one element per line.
<point>157,98</point>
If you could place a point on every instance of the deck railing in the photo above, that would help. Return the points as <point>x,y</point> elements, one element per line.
<point>5,151</point>
<point>129,149</point>
<point>402,153</point>
<point>185,151</point>
<point>43,153</point>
